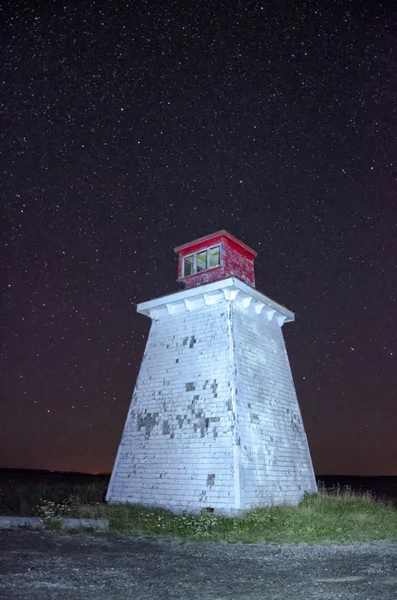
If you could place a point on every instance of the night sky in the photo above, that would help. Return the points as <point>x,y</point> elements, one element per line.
<point>132,127</point>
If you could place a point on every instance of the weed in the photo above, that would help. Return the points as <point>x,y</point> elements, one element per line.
<point>53,525</point>
<point>82,500</point>
<point>81,530</point>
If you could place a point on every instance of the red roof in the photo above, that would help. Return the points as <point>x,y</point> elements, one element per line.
<point>210,239</point>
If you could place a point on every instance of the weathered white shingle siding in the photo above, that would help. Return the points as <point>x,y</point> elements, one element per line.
<point>176,450</point>
<point>274,456</point>
<point>214,419</point>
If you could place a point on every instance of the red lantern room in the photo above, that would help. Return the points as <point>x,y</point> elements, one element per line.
<point>213,257</point>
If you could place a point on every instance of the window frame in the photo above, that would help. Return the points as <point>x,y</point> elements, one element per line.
<point>194,255</point>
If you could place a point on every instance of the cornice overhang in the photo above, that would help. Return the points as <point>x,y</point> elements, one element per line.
<point>227,290</point>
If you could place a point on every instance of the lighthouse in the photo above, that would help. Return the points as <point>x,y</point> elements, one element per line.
<point>214,421</point>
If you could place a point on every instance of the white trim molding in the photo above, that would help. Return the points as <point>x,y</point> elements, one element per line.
<point>229,290</point>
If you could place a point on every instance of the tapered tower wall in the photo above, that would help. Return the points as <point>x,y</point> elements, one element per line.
<point>214,419</point>
<point>275,463</point>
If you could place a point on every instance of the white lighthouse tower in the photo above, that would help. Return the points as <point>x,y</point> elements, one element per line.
<point>214,420</point>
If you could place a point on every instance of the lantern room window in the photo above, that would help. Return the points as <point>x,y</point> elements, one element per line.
<point>214,257</point>
<point>202,261</point>
<point>188,265</point>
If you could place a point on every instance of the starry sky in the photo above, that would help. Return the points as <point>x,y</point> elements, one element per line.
<point>130,127</point>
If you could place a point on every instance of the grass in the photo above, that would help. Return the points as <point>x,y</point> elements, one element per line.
<point>339,515</point>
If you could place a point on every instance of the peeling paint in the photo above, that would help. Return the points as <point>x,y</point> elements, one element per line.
<point>148,421</point>
<point>214,388</point>
<point>211,480</point>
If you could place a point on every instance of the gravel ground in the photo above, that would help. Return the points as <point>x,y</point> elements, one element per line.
<point>44,565</point>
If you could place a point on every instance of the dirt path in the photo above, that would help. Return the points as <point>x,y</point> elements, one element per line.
<point>44,565</point>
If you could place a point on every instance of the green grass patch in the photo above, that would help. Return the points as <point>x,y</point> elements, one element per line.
<point>323,517</point>
<point>338,516</point>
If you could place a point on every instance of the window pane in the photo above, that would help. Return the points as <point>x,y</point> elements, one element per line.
<point>188,262</point>
<point>214,257</point>
<point>201,261</point>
